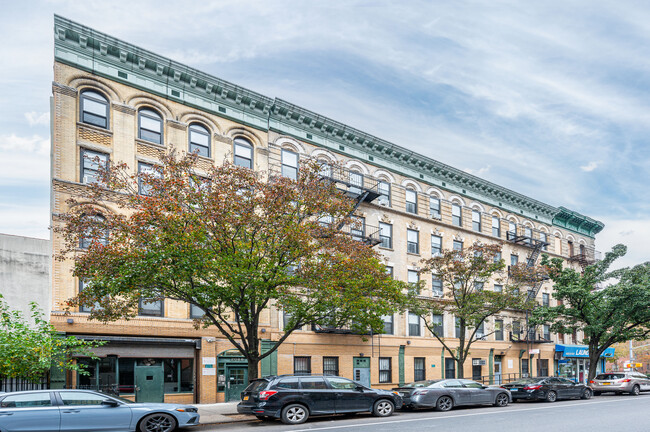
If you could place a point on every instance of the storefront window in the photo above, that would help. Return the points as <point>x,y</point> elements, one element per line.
<point>113,374</point>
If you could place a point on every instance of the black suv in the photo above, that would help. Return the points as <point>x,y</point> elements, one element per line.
<point>294,398</point>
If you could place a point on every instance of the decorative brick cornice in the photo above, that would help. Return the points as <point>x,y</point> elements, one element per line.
<point>126,109</point>
<point>63,89</point>
<point>177,125</point>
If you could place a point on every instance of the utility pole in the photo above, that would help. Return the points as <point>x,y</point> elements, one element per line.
<point>631,354</point>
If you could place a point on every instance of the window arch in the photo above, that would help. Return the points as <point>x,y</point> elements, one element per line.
<point>243,152</point>
<point>199,139</point>
<point>94,231</point>
<point>150,126</point>
<point>94,109</point>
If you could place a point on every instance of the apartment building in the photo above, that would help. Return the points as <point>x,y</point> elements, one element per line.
<point>120,103</point>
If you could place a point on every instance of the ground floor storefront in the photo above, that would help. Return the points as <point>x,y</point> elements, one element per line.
<point>209,369</point>
<point>573,361</point>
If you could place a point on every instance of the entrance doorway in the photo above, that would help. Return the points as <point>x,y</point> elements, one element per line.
<point>497,370</point>
<point>149,384</point>
<point>361,370</point>
<point>236,382</point>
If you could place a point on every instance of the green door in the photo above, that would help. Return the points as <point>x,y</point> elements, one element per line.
<point>236,382</point>
<point>149,384</point>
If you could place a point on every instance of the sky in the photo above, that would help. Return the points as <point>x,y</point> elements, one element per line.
<point>550,99</point>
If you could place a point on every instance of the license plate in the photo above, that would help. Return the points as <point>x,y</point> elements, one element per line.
<point>605,383</point>
<point>513,390</point>
<point>245,397</point>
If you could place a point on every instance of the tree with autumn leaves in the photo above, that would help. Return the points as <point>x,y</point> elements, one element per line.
<point>463,274</point>
<point>232,242</point>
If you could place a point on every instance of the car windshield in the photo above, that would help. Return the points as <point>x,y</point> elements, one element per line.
<point>418,384</point>
<point>610,376</point>
<point>257,385</point>
<point>525,381</point>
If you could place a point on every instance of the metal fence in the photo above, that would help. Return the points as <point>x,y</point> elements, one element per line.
<point>19,384</point>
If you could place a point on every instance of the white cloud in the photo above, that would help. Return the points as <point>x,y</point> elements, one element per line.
<point>590,166</point>
<point>35,118</point>
<point>634,233</point>
<point>19,144</point>
<point>25,220</point>
<point>479,172</point>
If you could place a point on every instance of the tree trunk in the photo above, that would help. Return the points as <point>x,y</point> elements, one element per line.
<point>253,368</point>
<point>460,362</point>
<point>594,358</point>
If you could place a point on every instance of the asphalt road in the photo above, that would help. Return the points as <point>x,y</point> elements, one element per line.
<point>602,413</point>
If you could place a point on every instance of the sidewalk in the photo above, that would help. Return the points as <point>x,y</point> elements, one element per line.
<point>224,412</point>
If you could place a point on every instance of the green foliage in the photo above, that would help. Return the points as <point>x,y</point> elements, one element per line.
<point>232,243</point>
<point>28,351</point>
<point>616,313</point>
<point>462,272</point>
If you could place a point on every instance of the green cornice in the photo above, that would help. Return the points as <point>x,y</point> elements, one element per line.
<point>572,221</point>
<point>104,55</point>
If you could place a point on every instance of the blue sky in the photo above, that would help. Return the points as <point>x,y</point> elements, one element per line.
<point>550,99</point>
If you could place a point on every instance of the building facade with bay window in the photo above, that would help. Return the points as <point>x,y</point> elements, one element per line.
<point>115,102</point>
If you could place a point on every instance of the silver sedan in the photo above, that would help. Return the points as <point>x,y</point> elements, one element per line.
<point>448,393</point>
<point>83,410</point>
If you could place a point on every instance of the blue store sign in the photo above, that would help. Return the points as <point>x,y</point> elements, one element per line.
<point>580,351</point>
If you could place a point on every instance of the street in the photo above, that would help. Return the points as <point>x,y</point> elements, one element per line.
<point>602,413</point>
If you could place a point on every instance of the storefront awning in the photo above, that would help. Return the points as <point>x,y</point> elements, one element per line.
<point>580,351</point>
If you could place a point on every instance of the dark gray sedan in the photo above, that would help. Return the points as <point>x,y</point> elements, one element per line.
<point>448,393</point>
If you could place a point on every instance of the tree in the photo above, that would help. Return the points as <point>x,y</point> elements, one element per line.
<point>29,350</point>
<point>617,313</point>
<point>233,243</point>
<point>463,274</point>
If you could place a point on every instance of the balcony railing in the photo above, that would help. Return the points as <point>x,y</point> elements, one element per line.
<point>524,337</point>
<point>354,184</point>
<point>585,255</point>
<point>367,234</point>
<point>325,328</point>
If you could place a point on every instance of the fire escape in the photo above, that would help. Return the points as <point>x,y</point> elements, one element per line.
<point>525,238</point>
<point>586,255</point>
<point>361,189</point>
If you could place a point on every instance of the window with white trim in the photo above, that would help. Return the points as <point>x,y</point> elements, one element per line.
<point>386,235</point>
<point>94,109</point>
<point>456,215</point>
<point>476,220</point>
<point>434,207</point>
<point>289,164</point>
<point>411,201</point>
<point>436,245</point>
<point>414,324</point>
<point>383,188</point>
<point>92,163</point>
<point>199,140</point>
<point>412,241</point>
<point>150,126</point>
<point>496,226</point>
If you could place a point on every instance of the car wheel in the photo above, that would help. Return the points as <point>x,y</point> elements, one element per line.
<point>586,394</point>
<point>444,403</point>
<point>159,422</point>
<point>294,414</point>
<point>501,400</point>
<point>596,393</point>
<point>551,396</point>
<point>383,408</point>
<point>635,390</point>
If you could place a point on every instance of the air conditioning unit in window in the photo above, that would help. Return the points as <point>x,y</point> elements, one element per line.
<point>436,216</point>
<point>436,294</point>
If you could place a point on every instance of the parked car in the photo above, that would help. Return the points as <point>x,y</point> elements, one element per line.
<point>549,389</point>
<point>85,410</point>
<point>620,382</point>
<point>447,393</point>
<point>295,398</point>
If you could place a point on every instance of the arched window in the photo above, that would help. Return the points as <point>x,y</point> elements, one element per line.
<point>94,231</point>
<point>243,153</point>
<point>199,138</point>
<point>94,109</point>
<point>150,126</point>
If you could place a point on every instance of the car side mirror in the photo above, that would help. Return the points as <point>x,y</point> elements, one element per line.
<point>110,403</point>
<point>484,387</point>
<point>359,388</point>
